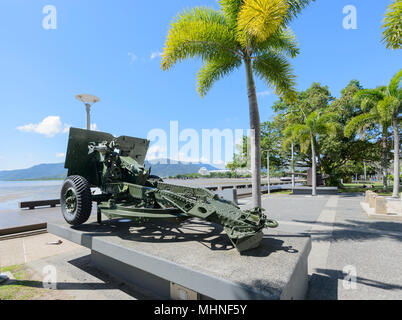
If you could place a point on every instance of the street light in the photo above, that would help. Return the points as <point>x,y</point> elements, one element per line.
<point>88,100</point>
<point>268,174</point>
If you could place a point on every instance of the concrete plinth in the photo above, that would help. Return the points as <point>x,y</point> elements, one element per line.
<point>320,190</point>
<point>372,197</point>
<point>380,205</point>
<point>196,255</point>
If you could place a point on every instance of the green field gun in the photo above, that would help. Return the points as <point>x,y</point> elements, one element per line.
<point>128,190</point>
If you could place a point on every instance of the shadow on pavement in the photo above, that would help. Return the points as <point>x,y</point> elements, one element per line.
<point>324,284</point>
<point>356,230</point>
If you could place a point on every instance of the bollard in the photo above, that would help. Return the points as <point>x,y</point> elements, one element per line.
<point>380,205</point>
<point>235,197</point>
<point>372,199</point>
<point>367,197</point>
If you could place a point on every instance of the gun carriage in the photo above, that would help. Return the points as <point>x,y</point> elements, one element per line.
<point>129,191</point>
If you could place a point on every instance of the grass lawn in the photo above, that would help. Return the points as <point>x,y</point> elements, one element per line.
<point>358,187</point>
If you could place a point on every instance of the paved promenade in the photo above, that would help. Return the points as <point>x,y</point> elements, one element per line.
<point>346,245</point>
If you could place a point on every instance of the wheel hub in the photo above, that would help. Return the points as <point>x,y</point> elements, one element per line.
<point>71,200</point>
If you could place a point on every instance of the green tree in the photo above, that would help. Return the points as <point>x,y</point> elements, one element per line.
<point>392,34</point>
<point>343,156</point>
<point>384,106</point>
<point>317,97</point>
<point>371,117</point>
<point>315,123</point>
<point>250,32</point>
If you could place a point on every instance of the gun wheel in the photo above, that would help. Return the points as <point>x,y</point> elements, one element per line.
<point>75,200</point>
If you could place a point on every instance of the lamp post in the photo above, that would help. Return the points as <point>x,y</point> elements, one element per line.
<point>293,167</point>
<point>88,101</point>
<point>268,174</point>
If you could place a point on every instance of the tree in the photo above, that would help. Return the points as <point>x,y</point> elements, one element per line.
<point>384,108</point>
<point>316,123</point>
<point>392,104</point>
<point>249,32</point>
<point>343,156</point>
<point>314,98</point>
<point>371,117</point>
<point>392,34</point>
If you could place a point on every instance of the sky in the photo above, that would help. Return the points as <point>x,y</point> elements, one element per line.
<point>111,49</point>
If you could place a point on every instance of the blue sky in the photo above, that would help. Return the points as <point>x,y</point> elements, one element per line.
<point>105,47</point>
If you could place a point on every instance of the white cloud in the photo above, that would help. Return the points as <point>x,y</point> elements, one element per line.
<point>155,55</point>
<point>264,93</point>
<point>133,57</point>
<point>50,126</point>
<point>94,127</point>
<point>60,155</point>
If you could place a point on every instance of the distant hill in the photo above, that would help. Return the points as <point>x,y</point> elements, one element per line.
<point>44,171</point>
<point>49,171</point>
<point>164,167</point>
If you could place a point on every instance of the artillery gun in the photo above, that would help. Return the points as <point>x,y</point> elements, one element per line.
<point>129,191</point>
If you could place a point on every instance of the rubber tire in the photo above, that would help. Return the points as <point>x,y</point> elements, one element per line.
<point>84,200</point>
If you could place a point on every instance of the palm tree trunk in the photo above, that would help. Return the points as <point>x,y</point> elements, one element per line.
<point>395,193</point>
<point>384,164</point>
<point>255,135</point>
<point>313,169</point>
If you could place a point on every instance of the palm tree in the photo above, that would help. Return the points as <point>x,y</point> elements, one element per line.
<point>316,123</point>
<point>249,32</point>
<point>392,34</point>
<point>384,105</point>
<point>370,118</point>
<point>390,107</point>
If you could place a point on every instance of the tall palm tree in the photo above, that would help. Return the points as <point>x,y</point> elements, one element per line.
<point>384,104</point>
<point>252,33</point>
<point>370,118</point>
<point>314,124</point>
<point>392,34</point>
<point>390,106</point>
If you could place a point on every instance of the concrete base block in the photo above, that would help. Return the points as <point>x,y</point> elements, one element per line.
<point>372,215</point>
<point>320,190</point>
<point>196,256</point>
<point>380,205</point>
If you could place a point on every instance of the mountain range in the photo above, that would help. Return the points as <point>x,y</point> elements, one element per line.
<point>48,171</point>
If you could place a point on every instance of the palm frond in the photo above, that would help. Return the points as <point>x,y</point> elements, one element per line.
<point>261,18</point>
<point>392,34</point>
<point>295,7</point>
<point>231,9</point>
<point>395,83</point>
<point>213,70</point>
<point>312,119</point>
<point>359,123</point>
<point>387,107</point>
<point>283,41</point>
<point>277,72</point>
<point>369,98</point>
<point>199,32</point>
